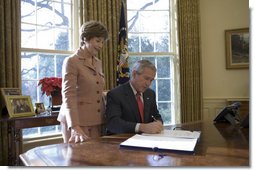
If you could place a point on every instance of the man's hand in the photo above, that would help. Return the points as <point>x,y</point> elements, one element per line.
<point>151,128</point>
<point>77,135</point>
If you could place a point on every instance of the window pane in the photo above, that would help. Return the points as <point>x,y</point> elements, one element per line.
<point>65,1</point>
<point>46,65</point>
<point>62,15</point>
<point>165,93</point>
<point>44,13</point>
<point>148,4</point>
<point>48,129</point>
<point>133,43</point>
<point>147,43</point>
<point>59,63</point>
<point>159,21</point>
<point>153,86</point>
<point>163,67</point>
<point>161,5</point>
<point>38,131</point>
<point>165,111</point>
<point>28,65</point>
<point>29,131</point>
<point>62,39</point>
<point>141,21</point>
<point>29,88</point>
<point>27,12</point>
<point>162,43</point>
<point>151,59</point>
<point>28,36</point>
<point>45,37</point>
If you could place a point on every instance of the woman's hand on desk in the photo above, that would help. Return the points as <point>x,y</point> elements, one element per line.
<point>77,135</point>
<point>151,128</point>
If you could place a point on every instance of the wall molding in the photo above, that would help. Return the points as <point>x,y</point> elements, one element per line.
<point>212,106</point>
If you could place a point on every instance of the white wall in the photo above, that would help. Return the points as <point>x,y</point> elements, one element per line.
<point>216,16</point>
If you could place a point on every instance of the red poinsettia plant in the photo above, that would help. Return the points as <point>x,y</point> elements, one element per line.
<point>50,84</point>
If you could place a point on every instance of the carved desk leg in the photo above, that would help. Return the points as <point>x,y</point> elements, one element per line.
<point>18,145</point>
<point>4,144</point>
<point>14,144</point>
<point>11,144</point>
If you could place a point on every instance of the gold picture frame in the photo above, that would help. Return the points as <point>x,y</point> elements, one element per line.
<point>19,106</point>
<point>7,92</point>
<point>237,48</point>
<point>10,91</point>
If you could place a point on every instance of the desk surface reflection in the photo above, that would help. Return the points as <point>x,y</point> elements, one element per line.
<point>220,144</point>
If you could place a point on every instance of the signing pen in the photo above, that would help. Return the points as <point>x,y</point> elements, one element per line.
<point>154,118</point>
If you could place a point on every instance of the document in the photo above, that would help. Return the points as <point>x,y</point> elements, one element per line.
<point>177,134</point>
<point>179,140</point>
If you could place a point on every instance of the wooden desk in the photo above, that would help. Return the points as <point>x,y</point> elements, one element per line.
<point>14,133</point>
<point>220,145</point>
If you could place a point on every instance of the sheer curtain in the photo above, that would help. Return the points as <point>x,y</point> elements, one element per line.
<point>190,60</point>
<point>107,12</point>
<point>9,59</point>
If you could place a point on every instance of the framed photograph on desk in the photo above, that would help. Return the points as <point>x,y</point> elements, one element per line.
<point>39,108</point>
<point>237,48</point>
<point>19,106</point>
<point>7,92</point>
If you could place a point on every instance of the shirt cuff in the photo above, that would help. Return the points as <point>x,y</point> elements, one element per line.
<point>137,127</point>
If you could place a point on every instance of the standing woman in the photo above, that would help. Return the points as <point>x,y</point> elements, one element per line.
<point>82,111</point>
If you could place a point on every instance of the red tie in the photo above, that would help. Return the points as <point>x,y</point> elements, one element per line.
<point>140,106</point>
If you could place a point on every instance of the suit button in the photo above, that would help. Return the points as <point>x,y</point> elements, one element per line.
<point>99,110</point>
<point>98,92</point>
<point>97,82</point>
<point>98,101</point>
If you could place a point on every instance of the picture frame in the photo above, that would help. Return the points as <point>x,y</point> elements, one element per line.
<point>237,48</point>
<point>7,92</point>
<point>19,106</point>
<point>10,91</point>
<point>39,108</point>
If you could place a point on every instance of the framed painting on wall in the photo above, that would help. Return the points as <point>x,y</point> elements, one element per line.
<point>237,48</point>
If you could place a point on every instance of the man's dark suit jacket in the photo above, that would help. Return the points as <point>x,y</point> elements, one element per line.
<point>122,112</point>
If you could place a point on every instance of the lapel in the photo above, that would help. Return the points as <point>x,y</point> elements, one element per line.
<point>131,99</point>
<point>81,55</point>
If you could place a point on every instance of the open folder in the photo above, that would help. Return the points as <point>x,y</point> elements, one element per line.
<point>180,140</point>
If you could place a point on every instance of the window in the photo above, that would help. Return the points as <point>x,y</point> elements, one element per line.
<point>152,36</point>
<point>47,37</point>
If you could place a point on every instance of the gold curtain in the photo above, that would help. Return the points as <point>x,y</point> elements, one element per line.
<point>190,60</point>
<point>9,60</point>
<point>107,12</point>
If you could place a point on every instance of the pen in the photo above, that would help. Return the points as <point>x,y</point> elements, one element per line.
<point>154,118</point>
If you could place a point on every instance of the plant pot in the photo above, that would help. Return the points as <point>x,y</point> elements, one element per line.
<point>55,100</point>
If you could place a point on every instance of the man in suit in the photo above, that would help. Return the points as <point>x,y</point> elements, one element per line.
<point>122,110</point>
